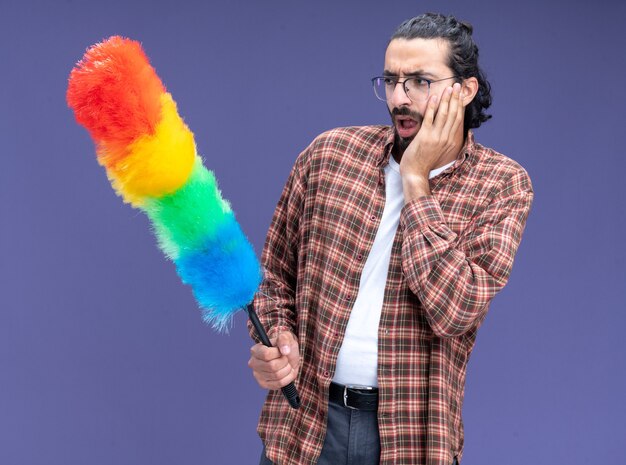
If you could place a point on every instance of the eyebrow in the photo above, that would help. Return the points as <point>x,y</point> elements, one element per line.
<point>416,73</point>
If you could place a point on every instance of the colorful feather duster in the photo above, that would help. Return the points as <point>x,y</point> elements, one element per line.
<point>151,160</point>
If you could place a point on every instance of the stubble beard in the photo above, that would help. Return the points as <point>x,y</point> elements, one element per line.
<point>400,144</point>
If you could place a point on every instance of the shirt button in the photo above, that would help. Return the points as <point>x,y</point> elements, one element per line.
<point>359,257</point>
<point>326,374</point>
<point>349,297</point>
<point>373,217</point>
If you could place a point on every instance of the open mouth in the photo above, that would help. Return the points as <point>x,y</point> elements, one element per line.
<point>406,126</point>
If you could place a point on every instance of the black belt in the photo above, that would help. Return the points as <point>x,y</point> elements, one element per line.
<point>354,397</point>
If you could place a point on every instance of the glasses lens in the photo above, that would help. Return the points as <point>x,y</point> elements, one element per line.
<point>417,89</point>
<point>381,88</point>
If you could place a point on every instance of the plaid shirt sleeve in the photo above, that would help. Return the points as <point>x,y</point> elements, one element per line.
<point>275,299</point>
<point>455,277</point>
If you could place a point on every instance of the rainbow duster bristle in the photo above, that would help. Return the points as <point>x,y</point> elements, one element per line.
<point>150,158</point>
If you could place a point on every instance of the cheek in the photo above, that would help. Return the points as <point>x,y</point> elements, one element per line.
<point>441,90</point>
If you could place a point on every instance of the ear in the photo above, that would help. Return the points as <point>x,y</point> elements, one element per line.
<point>469,89</point>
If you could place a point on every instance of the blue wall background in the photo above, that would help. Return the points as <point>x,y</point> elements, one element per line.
<point>103,356</point>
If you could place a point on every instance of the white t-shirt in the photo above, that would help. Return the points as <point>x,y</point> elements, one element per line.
<point>357,361</point>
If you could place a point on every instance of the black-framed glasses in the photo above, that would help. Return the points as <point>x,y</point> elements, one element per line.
<point>416,88</point>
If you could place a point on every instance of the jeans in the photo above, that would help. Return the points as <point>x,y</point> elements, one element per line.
<point>351,439</point>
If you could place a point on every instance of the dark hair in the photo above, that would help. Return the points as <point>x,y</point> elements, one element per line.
<point>463,58</point>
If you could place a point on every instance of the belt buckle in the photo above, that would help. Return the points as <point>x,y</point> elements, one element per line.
<point>353,386</point>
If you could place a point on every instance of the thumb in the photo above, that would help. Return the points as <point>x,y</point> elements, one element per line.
<point>285,342</point>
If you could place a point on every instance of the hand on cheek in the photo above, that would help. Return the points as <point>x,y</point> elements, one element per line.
<point>438,136</point>
<point>438,139</point>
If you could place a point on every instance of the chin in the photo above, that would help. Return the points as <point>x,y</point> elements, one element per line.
<point>401,143</point>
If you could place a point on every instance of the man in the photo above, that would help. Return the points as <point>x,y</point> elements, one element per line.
<point>385,250</point>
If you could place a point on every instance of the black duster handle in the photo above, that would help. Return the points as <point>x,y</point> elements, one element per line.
<point>289,391</point>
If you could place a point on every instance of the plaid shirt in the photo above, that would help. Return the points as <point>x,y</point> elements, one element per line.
<point>453,251</point>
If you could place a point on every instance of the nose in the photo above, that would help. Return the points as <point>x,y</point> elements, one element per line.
<point>399,97</point>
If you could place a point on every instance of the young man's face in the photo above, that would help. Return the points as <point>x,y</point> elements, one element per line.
<point>425,58</point>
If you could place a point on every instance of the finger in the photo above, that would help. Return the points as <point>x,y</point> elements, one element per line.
<point>285,342</point>
<point>291,376</point>
<point>458,120</point>
<point>443,109</point>
<point>288,345</point>
<point>264,383</point>
<point>273,383</point>
<point>280,374</point>
<point>429,115</point>
<point>264,353</point>
<point>294,359</point>
<point>265,374</point>
<point>461,111</point>
<point>271,367</point>
<point>453,111</point>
